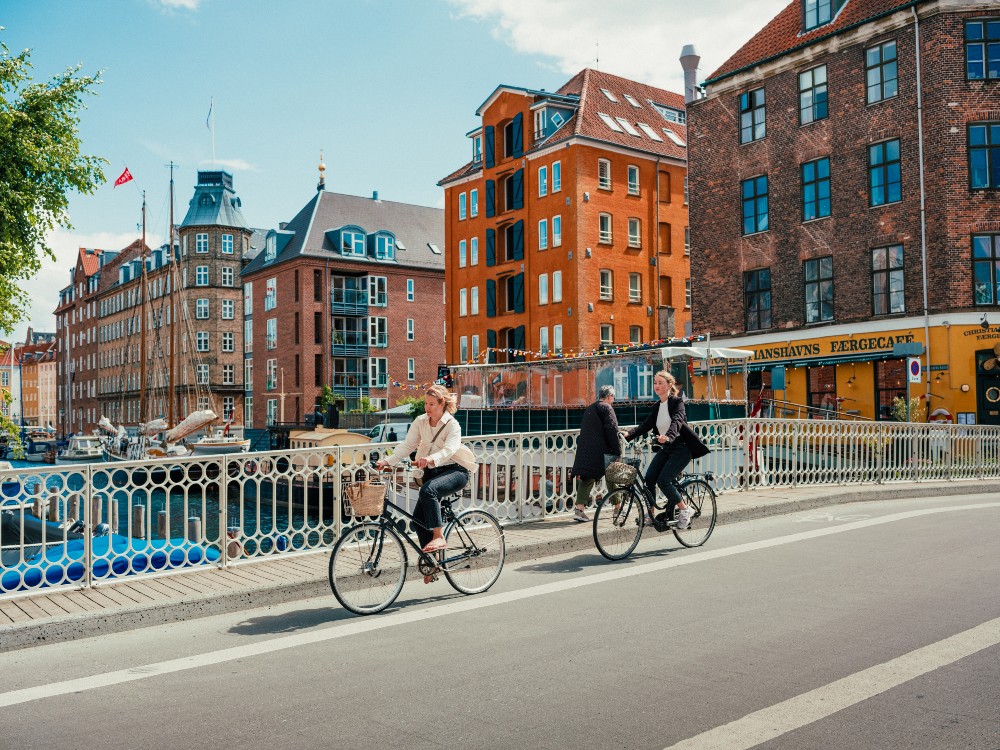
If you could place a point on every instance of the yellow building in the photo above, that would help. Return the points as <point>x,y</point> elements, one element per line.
<point>853,368</point>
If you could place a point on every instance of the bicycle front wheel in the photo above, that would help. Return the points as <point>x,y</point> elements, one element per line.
<point>618,523</point>
<point>700,496</point>
<point>476,540</point>
<point>367,568</point>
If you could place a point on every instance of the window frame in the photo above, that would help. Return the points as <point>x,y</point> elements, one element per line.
<point>984,42</point>
<point>201,243</point>
<point>556,176</point>
<point>748,109</point>
<point>202,308</point>
<point>888,272</point>
<point>463,210</point>
<point>474,202</point>
<point>988,148</point>
<point>816,182</point>
<point>227,244</point>
<point>462,253</point>
<point>607,335</point>
<point>635,288</point>
<point>556,287</point>
<point>543,234</point>
<point>201,276</point>
<point>607,285</point>
<point>543,181</point>
<point>761,220</point>
<point>634,238</point>
<point>820,283</point>
<point>605,237</point>
<point>410,290</point>
<point>992,262</point>
<point>633,184</point>
<point>817,9</point>
<point>881,65</point>
<point>754,290</point>
<point>543,289</point>
<point>884,167</point>
<point>817,94</point>
<point>604,174</point>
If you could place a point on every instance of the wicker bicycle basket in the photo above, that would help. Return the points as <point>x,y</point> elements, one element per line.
<point>622,472</point>
<point>366,498</point>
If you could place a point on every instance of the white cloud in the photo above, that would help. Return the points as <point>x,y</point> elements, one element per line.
<point>44,288</point>
<point>641,39</point>
<point>234,164</point>
<point>188,4</point>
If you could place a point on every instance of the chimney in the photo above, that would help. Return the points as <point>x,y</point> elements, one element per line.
<point>689,61</point>
<point>375,195</point>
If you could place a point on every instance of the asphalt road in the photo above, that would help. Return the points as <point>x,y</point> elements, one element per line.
<point>860,626</point>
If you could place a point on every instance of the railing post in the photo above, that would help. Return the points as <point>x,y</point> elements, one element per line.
<point>882,448</point>
<point>747,457</point>
<point>224,512</point>
<point>88,526</point>
<point>519,494</point>
<point>795,454</point>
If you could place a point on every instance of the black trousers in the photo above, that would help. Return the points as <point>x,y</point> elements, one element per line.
<point>438,482</point>
<point>663,471</point>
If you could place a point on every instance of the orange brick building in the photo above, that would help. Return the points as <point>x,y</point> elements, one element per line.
<point>566,231</point>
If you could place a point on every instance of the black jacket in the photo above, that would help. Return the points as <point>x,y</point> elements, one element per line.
<point>678,417</point>
<point>598,435</point>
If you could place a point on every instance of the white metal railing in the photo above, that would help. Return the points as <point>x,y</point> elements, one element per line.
<point>111,520</point>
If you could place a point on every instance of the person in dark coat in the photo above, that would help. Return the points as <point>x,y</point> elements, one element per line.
<point>598,436</point>
<point>671,452</point>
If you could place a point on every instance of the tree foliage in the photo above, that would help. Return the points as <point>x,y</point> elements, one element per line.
<point>40,162</point>
<point>416,404</point>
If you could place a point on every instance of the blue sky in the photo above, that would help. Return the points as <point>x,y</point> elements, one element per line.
<point>386,88</point>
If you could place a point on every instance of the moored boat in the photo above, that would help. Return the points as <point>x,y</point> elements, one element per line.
<point>81,449</point>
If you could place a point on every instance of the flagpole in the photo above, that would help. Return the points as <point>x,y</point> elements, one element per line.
<point>210,123</point>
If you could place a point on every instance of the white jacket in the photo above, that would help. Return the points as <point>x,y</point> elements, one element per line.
<point>441,445</point>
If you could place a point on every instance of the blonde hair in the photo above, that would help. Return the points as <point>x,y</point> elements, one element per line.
<point>671,381</point>
<point>443,394</point>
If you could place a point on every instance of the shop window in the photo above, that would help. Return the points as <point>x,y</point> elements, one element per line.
<point>822,391</point>
<point>890,384</point>
<point>986,268</point>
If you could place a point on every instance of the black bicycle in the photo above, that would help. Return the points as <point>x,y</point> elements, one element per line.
<point>369,562</point>
<point>621,515</point>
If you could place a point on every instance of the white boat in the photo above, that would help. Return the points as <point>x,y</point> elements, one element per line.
<point>220,442</point>
<point>81,449</point>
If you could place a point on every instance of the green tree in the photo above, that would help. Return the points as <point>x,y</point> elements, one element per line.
<point>326,397</point>
<point>416,404</point>
<point>366,406</point>
<point>40,162</point>
<point>918,409</point>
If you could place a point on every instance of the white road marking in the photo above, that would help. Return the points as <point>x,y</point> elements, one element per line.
<point>395,619</point>
<point>774,721</point>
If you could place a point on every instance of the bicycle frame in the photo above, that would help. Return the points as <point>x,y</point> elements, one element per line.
<point>387,523</point>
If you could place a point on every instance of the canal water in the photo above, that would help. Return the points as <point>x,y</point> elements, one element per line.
<point>265,525</point>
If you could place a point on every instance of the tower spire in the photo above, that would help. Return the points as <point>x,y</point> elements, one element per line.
<point>321,185</point>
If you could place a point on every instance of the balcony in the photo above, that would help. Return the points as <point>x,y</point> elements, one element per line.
<point>350,344</point>
<point>349,302</point>
<point>350,384</point>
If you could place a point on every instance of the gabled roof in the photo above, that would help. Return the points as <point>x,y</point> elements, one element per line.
<point>413,226</point>
<point>783,33</point>
<point>89,261</point>
<point>126,255</point>
<point>583,92</point>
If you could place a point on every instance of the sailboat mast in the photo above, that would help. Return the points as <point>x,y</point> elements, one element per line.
<point>172,280</point>
<point>142,317</point>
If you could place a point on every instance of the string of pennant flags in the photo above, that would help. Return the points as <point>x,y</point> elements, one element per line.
<point>578,353</point>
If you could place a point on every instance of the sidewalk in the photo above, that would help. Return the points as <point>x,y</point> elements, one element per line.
<point>135,603</point>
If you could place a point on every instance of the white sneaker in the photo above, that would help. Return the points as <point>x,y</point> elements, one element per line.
<point>580,516</point>
<point>684,516</point>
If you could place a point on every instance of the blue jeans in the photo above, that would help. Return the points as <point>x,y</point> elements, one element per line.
<point>438,482</point>
<point>663,471</point>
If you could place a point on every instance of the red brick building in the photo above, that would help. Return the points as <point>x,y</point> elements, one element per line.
<point>566,230</point>
<point>76,343</point>
<point>845,196</point>
<point>349,293</point>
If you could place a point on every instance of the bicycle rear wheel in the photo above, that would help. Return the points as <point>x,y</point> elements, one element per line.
<point>700,496</point>
<point>367,568</point>
<point>478,537</point>
<point>618,523</point>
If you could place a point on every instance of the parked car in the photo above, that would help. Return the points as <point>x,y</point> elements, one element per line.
<point>388,432</point>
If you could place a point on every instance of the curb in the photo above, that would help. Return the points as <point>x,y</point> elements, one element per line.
<point>83,625</point>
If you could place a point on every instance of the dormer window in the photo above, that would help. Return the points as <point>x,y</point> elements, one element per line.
<point>385,247</point>
<point>270,248</point>
<point>477,148</point>
<point>353,242</point>
<point>816,13</point>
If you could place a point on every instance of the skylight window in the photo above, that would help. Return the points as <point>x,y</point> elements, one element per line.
<point>649,131</point>
<point>400,245</point>
<point>434,248</point>
<point>674,137</point>
<point>670,114</point>
<point>631,100</point>
<point>611,97</point>
<point>628,126</point>
<point>610,122</point>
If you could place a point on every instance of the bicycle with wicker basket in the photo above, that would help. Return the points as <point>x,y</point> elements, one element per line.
<point>369,562</point>
<point>621,515</point>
